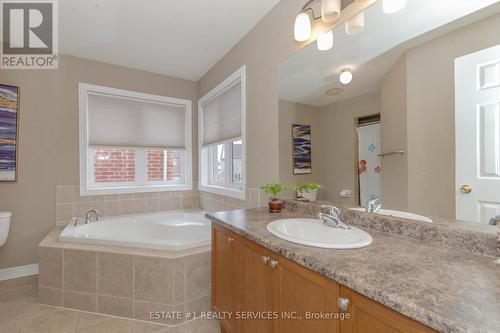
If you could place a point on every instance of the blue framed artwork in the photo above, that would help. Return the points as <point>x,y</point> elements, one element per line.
<point>301,137</point>
<point>9,115</point>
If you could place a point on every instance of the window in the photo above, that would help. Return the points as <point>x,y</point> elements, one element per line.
<point>226,164</point>
<point>221,137</point>
<point>133,142</point>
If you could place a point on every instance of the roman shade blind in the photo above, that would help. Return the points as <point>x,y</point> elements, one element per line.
<point>129,122</point>
<point>222,116</point>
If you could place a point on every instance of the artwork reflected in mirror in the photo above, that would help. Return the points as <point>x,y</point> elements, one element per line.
<point>9,114</point>
<point>301,136</point>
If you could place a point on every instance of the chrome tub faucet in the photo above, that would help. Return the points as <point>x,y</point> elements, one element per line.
<point>92,212</point>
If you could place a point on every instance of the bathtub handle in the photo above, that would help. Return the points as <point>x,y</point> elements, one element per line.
<point>265,259</point>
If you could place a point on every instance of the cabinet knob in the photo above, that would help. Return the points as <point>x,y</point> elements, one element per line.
<point>230,240</point>
<point>343,303</point>
<point>265,260</point>
<point>274,263</point>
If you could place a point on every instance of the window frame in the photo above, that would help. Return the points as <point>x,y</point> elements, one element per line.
<point>205,155</point>
<point>88,186</point>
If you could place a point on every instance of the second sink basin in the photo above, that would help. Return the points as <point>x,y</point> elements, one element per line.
<point>314,232</point>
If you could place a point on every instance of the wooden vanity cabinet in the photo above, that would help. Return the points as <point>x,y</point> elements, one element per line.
<point>248,279</point>
<point>257,288</point>
<point>224,278</point>
<point>303,292</point>
<point>368,316</point>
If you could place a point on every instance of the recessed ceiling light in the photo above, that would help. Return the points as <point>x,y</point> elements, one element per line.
<point>345,76</point>
<point>335,91</point>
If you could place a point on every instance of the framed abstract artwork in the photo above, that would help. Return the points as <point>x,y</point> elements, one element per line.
<point>301,139</point>
<point>9,115</point>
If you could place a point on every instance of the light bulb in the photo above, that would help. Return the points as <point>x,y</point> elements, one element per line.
<point>345,76</point>
<point>330,10</point>
<point>302,27</point>
<point>393,6</point>
<point>355,24</point>
<point>325,41</point>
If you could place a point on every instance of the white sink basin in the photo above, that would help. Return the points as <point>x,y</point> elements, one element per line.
<point>400,214</point>
<point>314,232</point>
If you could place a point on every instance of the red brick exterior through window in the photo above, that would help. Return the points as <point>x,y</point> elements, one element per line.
<point>114,165</point>
<point>155,165</point>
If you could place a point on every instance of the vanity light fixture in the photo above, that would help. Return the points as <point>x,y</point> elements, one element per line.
<point>355,24</point>
<point>330,10</point>
<point>345,76</point>
<point>332,15</point>
<point>325,41</point>
<point>393,6</point>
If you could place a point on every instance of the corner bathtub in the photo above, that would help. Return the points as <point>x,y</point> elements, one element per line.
<point>170,231</point>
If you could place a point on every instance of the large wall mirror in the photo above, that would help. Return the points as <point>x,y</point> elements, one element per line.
<point>418,126</point>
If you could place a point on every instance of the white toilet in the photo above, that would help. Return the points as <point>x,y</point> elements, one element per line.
<point>4,226</point>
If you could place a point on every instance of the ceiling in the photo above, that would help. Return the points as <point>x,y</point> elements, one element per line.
<point>308,74</point>
<point>182,38</point>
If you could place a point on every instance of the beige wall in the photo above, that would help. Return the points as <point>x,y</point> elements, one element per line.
<point>294,113</point>
<point>393,133</point>
<point>431,172</point>
<point>261,50</point>
<point>48,141</point>
<point>338,145</point>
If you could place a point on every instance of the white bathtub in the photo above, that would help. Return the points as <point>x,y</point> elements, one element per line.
<point>171,231</point>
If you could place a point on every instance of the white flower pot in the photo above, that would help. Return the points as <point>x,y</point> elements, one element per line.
<point>309,195</point>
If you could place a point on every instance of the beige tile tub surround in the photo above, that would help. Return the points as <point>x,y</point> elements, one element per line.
<point>69,203</point>
<point>121,281</point>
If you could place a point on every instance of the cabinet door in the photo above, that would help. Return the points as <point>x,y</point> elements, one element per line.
<point>256,288</point>
<point>224,288</point>
<point>368,316</point>
<point>304,294</point>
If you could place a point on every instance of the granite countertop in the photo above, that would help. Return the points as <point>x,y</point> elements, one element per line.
<point>447,289</point>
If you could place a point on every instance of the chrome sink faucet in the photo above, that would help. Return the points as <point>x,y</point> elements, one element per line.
<point>332,218</point>
<point>373,206</point>
<point>95,213</point>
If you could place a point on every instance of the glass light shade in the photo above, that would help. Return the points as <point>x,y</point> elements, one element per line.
<point>325,41</point>
<point>302,27</point>
<point>355,24</point>
<point>330,10</point>
<point>393,6</point>
<point>345,76</point>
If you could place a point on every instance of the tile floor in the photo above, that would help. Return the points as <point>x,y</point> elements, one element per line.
<point>21,313</point>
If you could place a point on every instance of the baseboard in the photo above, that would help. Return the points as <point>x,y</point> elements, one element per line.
<point>17,272</point>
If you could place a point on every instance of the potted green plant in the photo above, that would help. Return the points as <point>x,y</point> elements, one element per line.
<point>273,191</point>
<point>308,191</point>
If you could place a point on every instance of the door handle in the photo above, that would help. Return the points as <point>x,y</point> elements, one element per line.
<point>274,264</point>
<point>265,259</point>
<point>230,240</point>
<point>466,189</point>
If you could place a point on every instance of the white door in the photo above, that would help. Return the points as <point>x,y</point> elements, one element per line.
<point>477,135</point>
